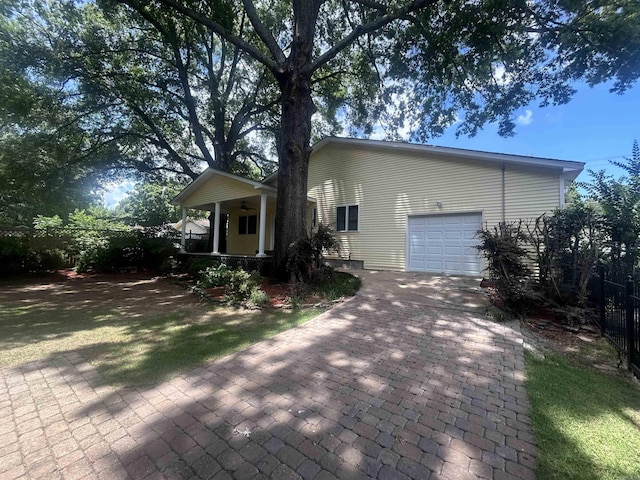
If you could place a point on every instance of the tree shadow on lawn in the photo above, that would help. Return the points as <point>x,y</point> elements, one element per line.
<point>134,330</point>
<point>32,312</point>
<point>161,347</point>
<point>588,422</point>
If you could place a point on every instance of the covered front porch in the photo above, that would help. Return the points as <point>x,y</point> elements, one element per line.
<point>243,213</point>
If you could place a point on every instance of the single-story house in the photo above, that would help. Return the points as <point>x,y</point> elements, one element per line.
<point>393,206</point>
<point>196,228</point>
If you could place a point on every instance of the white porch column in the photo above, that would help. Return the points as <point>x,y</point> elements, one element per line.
<point>216,230</point>
<point>183,231</point>
<point>263,224</point>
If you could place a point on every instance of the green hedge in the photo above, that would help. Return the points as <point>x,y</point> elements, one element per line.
<point>86,250</point>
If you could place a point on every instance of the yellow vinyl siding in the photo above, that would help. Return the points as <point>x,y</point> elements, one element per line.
<point>389,185</point>
<point>218,189</point>
<point>529,193</point>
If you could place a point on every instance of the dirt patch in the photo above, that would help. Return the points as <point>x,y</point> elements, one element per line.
<point>582,345</point>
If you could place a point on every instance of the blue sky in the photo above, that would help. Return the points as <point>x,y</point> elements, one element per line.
<point>114,192</point>
<point>594,127</point>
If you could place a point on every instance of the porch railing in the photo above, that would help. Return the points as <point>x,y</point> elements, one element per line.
<point>195,261</point>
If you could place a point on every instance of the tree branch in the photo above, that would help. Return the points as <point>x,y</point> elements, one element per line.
<point>264,34</point>
<point>163,141</point>
<point>218,29</point>
<point>364,29</point>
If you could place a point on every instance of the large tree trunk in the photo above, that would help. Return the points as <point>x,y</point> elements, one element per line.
<point>293,150</point>
<point>294,142</point>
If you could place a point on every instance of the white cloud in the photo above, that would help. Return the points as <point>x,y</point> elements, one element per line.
<point>501,76</point>
<point>526,118</point>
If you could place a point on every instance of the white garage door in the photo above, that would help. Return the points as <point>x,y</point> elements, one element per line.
<point>444,244</point>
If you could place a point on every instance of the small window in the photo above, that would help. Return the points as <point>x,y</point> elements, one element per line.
<point>347,218</point>
<point>248,225</point>
<point>314,221</point>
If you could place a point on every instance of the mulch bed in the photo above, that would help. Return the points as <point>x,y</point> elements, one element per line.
<point>280,294</point>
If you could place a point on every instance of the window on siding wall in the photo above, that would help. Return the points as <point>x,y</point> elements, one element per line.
<point>248,225</point>
<point>347,218</point>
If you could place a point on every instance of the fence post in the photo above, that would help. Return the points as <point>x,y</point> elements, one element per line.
<point>602,298</point>
<point>630,323</point>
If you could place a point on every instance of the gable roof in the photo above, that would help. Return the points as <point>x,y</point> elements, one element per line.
<point>212,172</point>
<point>200,222</point>
<point>571,169</point>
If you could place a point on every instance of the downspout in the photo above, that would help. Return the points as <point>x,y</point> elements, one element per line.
<point>562,189</point>
<point>504,195</point>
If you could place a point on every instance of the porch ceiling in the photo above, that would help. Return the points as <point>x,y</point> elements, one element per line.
<point>252,204</point>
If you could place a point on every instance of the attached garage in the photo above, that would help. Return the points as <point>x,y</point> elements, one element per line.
<point>444,243</point>
<point>397,206</point>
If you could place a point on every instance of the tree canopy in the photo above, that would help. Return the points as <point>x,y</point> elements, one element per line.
<point>618,203</point>
<point>149,205</point>
<point>429,63</point>
<point>171,85</point>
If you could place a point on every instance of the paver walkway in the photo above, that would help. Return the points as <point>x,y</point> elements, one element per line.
<point>393,384</point>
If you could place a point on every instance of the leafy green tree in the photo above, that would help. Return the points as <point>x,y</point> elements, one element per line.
<point>149,204</point>
<point>161,96</point>
<point>428,62</point>
<point>618,203</point>
<point>148,86</point>
<point>43,223</point>
<point>49,164</point>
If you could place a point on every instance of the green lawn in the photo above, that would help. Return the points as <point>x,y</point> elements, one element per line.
<point>135,349</point>
<point>587,423</point>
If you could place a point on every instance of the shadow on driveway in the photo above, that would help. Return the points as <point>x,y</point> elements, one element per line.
<point>390,384</point>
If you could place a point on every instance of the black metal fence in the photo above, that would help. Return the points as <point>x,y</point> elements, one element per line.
<point>619,315</point>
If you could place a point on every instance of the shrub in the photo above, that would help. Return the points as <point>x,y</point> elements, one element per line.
<point>306,255</point>
<point>89,250</point>
<point>115,251</point>
<point>52,259</point>
<point>258,297</point>
<point>16,257</point>
<point>214,276</point>
<point>241,284</point>
<point>563,248</point>
<point>194,266</point>
<point>566,253</point>
<point>300,259</point>
<point>168,266</point>
<point>322,240</point>
<point>504,248</point>
<point>159,245</point>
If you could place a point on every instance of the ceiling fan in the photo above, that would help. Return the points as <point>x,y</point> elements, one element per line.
<point>244,206</point>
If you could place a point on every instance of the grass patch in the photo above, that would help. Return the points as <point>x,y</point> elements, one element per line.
<point>136,349</point>
<point>337,285</point>
<point>587,423</point>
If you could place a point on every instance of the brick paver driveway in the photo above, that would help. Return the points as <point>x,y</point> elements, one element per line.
<point>407,380</point>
